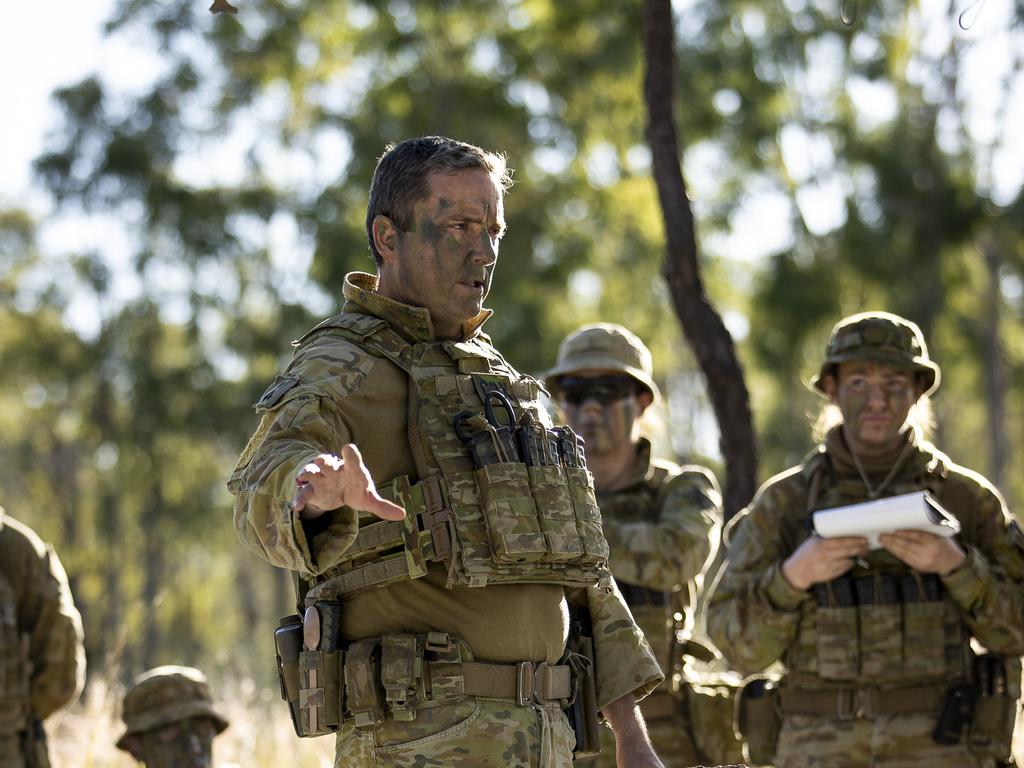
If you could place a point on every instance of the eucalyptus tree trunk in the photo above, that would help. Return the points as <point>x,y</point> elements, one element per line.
<point>703,327</point>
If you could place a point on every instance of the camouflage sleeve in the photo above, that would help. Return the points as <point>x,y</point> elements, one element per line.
<point>300,419</point>
<point>54,628</point>
<point>624,661</point>
<point>753,612</point>
<point>989,586</point>
<point>668,553</point>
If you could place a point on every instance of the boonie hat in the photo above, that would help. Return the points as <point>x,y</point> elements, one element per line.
<point>167,695</point>
<point>603,346</point>
<point>880,337</point>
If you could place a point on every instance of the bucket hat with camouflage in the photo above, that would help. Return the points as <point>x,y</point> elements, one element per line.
<point>880,337</point>
<point>603,346</point>
<point>167,695</point>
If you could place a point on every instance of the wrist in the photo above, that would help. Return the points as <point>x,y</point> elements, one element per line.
<point>791,575</point>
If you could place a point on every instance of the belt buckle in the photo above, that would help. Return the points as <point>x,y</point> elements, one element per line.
<point>525,683</point>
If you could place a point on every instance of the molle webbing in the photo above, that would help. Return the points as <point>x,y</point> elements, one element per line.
<point>502,522</point>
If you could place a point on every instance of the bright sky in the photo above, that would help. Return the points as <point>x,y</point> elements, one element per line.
<point>46,45</point>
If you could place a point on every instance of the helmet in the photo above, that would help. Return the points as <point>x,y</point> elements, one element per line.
<point>603,346</point>
<point>167,695</point>
<point>880,337</point>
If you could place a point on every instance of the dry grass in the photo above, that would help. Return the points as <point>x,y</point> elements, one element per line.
<point>260,735</point>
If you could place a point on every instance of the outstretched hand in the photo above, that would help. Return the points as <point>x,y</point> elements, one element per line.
<point>329,482</point>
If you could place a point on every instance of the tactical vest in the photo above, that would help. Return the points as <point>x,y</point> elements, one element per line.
<point>884,624</point>
<point>481,507</point>
<point>14,665</point>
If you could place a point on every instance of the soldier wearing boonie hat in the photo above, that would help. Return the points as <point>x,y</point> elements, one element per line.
<point>661,521</point>
<point>170,720</point>
<point>883,338</point>
<point>877,644</point>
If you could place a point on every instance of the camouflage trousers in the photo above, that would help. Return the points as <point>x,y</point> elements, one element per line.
<point>474,732</point>
<point>888,741</point>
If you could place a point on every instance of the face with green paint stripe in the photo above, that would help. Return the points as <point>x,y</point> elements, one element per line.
<point>445,261</point>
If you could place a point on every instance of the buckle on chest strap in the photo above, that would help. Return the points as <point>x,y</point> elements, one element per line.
<point>525,682</point>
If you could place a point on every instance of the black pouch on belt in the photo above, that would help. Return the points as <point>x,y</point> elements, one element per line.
<point>582,712</point>
<point>320,663</point>
<point>288,642</point>
<point>995,712</point>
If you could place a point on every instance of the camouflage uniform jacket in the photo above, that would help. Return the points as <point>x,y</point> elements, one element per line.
<point>756,617</point>
<point>336,392</point>
<point>662,528</point>
<point>42,660</point>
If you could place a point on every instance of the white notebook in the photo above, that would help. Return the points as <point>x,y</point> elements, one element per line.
<point>911,511</point>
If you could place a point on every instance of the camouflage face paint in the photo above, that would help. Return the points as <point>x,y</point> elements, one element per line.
<point>446,262</point>
<point>875,401</point>
<point>604,427</point>
<point>185,744</point>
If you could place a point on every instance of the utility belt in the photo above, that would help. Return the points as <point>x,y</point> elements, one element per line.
<point>980,711</point>
<point>637,596</point>
<point>361,683</point>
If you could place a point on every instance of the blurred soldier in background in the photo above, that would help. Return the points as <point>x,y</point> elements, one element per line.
<point>42,660</point>
<point>169,719</point>
<point>905,655</point>
<point>662,522</point>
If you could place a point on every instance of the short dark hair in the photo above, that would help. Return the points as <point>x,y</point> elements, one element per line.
<point>400,179</point>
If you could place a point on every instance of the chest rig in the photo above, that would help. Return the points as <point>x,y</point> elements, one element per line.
<point>885,622</point>
<point>500,498</point>
<point>14,667</point>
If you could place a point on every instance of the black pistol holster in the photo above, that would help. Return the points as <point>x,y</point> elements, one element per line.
<point>309,664</point>
<point>582,711</point>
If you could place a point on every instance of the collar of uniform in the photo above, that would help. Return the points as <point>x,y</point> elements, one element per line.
<point>842,458</point>
<point>411,322</point>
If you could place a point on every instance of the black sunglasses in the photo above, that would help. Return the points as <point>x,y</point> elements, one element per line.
<point>576,390</point>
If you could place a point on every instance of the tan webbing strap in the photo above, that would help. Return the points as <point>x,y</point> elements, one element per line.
<point>854,703</point>
<point>377,572</point>
<point>523,682</point>
<point>436,517</point>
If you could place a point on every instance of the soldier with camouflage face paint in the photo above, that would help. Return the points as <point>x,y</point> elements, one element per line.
<point>906,655</point>
<point>434,630</point>
<point>661,520</point>
<point>42,660</point>
<point>170,720</point>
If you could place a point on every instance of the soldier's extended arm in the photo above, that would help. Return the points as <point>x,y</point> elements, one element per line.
<point>989,586</point>
<point>302,424</point>
<point>753,612</point>
<point>666,554</point>
<point>55,638</point>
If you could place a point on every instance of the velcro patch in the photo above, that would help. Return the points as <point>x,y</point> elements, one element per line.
<point>277,389</point>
